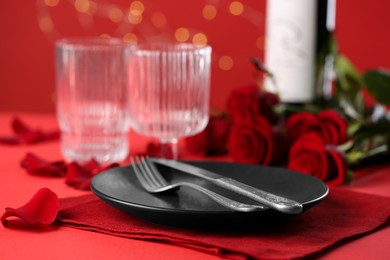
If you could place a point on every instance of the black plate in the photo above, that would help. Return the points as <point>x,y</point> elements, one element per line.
<point>190,209</point>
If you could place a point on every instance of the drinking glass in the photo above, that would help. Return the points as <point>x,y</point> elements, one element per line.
<point>92,99</point>
<point>169,90</point>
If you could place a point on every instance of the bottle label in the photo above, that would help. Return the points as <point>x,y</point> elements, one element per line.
<point>290,49</point>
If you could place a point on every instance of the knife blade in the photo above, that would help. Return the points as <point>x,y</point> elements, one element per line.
<point>273,201</point>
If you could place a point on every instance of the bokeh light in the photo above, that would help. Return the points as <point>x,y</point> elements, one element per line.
<point>82,6</point>
<point>158,19</point>
<point>182,34</point>
<point>130,37</point>
<point>105,35</point>
<point>134,19</point>
<point>93,8</point>
<point>137,8</point>
<point>46,24</point>
<point>52,3</point>
<point>209,12</point>
<point>199,39</point>
<point>115,15</point>
<point>260,43</point>
<point>212,22</point>
<point>236,8</point>
<point>225,63</point>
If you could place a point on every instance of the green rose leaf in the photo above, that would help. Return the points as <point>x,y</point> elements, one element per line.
<point>378,84</point>
<point>347,75</point>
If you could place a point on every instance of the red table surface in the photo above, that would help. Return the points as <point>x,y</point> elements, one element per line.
<point>16,187</point>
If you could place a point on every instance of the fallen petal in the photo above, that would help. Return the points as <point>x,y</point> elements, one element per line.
<point>78,176</point>
<point>24,134</point>
<point>92,166</point>
<point>41,210</point>
<point>51,135</point>
<point>9,140</point>
<point>31,137</point>
<point>19,127</point>
<point>38,166</point>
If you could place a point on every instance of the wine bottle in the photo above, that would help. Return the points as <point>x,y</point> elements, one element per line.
<point>325,48</point>
<point>290,48</point>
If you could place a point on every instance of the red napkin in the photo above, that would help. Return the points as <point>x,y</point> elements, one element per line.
<point>341,215</point>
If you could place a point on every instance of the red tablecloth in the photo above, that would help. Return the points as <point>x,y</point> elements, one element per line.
<point>16,187</point>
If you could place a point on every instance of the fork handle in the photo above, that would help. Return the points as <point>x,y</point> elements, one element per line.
<point>224,201</point>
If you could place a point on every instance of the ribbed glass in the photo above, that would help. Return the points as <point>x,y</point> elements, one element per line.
<point>92,99</point>
<point>169,90</point>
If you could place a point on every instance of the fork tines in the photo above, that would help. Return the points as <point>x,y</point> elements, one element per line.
<point>147,173</point>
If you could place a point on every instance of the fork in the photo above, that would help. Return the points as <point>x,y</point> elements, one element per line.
<point>152,181</point>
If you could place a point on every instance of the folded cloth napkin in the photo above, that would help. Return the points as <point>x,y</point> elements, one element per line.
<point>341,215</point>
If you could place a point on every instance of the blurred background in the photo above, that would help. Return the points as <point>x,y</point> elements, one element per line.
<point>235,30</point>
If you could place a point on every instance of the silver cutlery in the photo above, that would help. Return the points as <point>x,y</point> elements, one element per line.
<point>273,201</point>
<point>152,181</point>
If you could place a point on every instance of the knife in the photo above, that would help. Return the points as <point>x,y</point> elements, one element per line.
<point>273,201</point>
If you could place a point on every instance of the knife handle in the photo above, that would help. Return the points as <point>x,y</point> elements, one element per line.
<point>271,200</point>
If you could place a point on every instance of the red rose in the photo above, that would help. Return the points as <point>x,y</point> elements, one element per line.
<point>337,167</point>
<point>217,135</point>
<point>333,128</point>
<point>279,154</point>
<point>310,155</point>
<point>301,123</point>
<point>328,124</point>
<point>251,141</point>
<point>267,102</point>
<point>212,140</point>
<point>243,103</point>
<point>197,144</point>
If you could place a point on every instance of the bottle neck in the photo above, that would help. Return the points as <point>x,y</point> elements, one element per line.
<point>326,50</point>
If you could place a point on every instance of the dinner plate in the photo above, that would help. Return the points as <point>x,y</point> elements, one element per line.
<point>188,208</point>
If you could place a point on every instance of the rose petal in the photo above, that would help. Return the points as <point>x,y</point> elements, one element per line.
<point>51,135</point>
<point>267,103</point>
<point>26,135</point>
<point>308,155</point>
<point>9,140</point>
<point>78,176</point>
<point>41,210</point>
<point>91,166</point>
<point>94,167</point>
<point>197,144</point>
<point>19,127</point>
<point>38,166</point>
<point>338,167</point>
<point>280,151</point>
<point>332,120</point>
<point>243,103</point>
<point>212,140</point>
<point>31,137</point>
<point>299,124</point>
<point>251,141</point>
<point>217,134</point>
